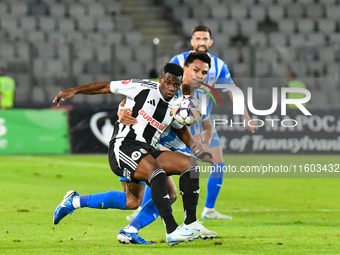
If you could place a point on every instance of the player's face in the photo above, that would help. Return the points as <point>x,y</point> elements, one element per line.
<point>197,69</point>
<point>169,85</point>
<point>201,41</point>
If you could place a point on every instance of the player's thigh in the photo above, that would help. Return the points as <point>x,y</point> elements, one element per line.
<point>145,168</point>
<point>217,154</point>
<point>135,189</point>
<point>124,185</point>
<point>175,162</point>
<point>134,194</point>
<point>216,149</point>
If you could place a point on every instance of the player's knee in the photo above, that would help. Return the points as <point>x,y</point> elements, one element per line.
<point>173,196</point>
<point>132,203</point>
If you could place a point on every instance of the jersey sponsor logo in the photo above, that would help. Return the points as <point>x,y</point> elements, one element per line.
<point>126,82</point>
<point>151,120</point>
<point>146,83</point>
<point>126,173</point>
<point>128,88</point>
<point>136,155</point>
<point>152,102</point>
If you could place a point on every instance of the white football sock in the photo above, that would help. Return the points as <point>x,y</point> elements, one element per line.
<point>76,202</point>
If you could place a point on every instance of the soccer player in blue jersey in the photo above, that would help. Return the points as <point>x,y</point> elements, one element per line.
<point>201,41</point>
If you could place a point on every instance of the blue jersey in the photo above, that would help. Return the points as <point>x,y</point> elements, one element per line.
<point>170,140</point>
<point>218,73</point>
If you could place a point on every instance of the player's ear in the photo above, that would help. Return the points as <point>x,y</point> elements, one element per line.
<point>211,42</point>
<point>192,42</point>
<point>160,78</point>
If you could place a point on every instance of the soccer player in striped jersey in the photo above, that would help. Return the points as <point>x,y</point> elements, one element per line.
<point>132,152</point>
<point>196,67</point>
<point>201,41</point>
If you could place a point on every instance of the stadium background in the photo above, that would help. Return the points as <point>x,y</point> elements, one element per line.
<point>52,45</point>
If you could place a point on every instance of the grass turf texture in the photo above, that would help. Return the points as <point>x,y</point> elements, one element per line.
<point>270,216</point>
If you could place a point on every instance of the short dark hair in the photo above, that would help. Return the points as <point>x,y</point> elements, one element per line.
<point>201,28</point>
<point>173,68</point>
<point>204,57</point>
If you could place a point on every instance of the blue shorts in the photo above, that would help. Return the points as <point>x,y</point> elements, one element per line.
<point>123,179</point>
<point>215,142</point>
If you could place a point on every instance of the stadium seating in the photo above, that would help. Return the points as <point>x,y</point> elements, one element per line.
<point>81,33</point>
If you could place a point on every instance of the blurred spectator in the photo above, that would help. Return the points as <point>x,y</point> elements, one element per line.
<point>7,88</point>
<point>267,25</point>
<point>294,83</point>
<point>153,75</point>
<point>37,7</point>
<point>239,40</point>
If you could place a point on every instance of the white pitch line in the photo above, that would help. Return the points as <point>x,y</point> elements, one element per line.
<point>234,211</point>
<point>67,162</point>
<point>284,210</point>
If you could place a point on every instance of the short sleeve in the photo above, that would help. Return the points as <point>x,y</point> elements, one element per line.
<point>126,87</point>
<point>225,77</point>
<point>174,60</point>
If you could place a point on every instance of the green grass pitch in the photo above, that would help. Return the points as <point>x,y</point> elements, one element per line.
<point>270,215</point>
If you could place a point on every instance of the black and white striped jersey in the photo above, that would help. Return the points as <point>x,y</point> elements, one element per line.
<point>148,106</point>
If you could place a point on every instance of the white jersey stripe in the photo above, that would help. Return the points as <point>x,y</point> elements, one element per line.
<point>116,149</point>
<point>127,160</point>
<point>126,157</point>
<point>181,60</point>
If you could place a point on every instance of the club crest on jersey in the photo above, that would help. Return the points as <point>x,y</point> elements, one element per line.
<point>151,120</point>
<point>136,155</point>
<point>124,82</point>
<point>143,151</point>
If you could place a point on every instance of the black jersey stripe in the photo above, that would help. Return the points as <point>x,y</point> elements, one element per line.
<point>158,115</point>
<point>148,133</point>
<point>140,100</point>
<point>161,109</point>
<point>115,131</point>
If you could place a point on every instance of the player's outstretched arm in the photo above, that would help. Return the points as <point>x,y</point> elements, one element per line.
<point>89,89</point>
<point>251,125</point>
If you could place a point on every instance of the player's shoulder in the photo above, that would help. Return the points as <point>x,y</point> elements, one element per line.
<point>180,57</point>
<point>133,85</point>
<point>145,83</point>
<point>214,58</point>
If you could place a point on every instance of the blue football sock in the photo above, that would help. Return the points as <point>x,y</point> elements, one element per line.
<point>214,184</point>
<point>147,195</point>
<point>110,199</point>
<point>146,216</point>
